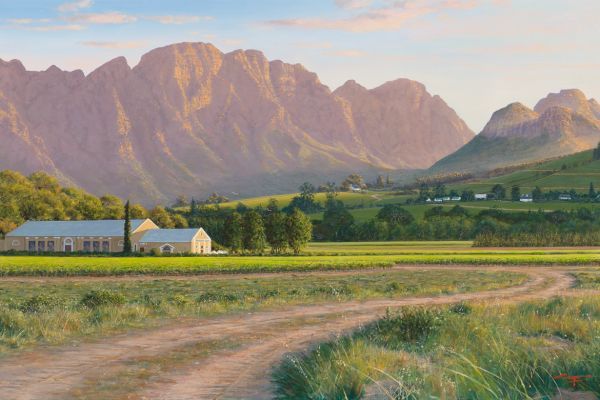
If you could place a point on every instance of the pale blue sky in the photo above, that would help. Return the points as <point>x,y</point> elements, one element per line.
<point>479,55</point>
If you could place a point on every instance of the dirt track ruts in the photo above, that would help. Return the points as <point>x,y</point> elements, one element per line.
<point>242,373</point>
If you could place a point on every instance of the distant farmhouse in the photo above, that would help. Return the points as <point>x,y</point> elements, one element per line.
<point>105,236</point>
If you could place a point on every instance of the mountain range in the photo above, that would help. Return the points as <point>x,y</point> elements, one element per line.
<point>560,124</point>
<point>190,119</point>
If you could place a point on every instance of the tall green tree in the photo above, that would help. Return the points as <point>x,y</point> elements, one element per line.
<point>393,214</point>
<point>592,191</point>
<point>233,232</point>
<point>537,194</point>
<point>254,232</point>
<point>515,193</point>
<point>499,191</point>
<point>127,230</point>
<point>299,230</point>
<point>275,227</point>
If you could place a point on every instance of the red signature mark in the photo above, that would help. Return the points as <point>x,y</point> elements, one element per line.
<point>573,379</point>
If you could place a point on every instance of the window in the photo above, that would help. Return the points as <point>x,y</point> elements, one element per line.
<point>87,245</point>
<point>105,246</point>
<point>51,245</point>
<point>15,243</point>
<point>96,246</point>
<point>120,244</point>
<point>167,249</point>
<point>31,245</point>
<point>41,246</point>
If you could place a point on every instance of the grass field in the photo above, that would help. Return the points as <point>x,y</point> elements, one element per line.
<point>461,352</point>
<point>53,311</point>
<point>318,256</point>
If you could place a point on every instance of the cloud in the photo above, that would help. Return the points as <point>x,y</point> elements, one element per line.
<point>103,18</point>
<point>349,53</point>
<point>178,19</point>
<point>114,45</point>
<point>54,28</point>
<point>353,4</point>
<point>388,17</point>
<point>27,21</point>
<point>314,45</point>
<point>75,6</point>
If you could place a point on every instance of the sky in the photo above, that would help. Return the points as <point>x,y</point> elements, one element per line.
<point>478,55</point>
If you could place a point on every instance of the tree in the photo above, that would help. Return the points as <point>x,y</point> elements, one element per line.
<point>499,191</point>
<point>393,214</point>
<point>254,232</point>
<point>592,191</point>
<point>380,183</point>
<point>305,200</point>
<point>537,194</point>
<point>515,193</point>
<point>181,201</point>
<point>440,190</point>
<point>275,227</point>
<point>353,179</point>
<point>113,207</point>
<point>179,221</point>
<point>299,230</point>
<point>596,153</point>
<point>127,231</point>
<point>337,222</point>
<point>137,211</point>
<point>161,217</point>
<point>233,235</point>
<point>388,181</point>
<point>193,207</point>
<point>467,195</point>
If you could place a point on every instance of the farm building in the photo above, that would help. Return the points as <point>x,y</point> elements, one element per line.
<point>565,197</point>
<point>103,236</point>
<point>526,198</point>
<point>481,196</point>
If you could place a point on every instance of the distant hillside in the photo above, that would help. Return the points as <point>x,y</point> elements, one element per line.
<point>560,124</point>
<point>575,171</point>
<point>190,119</point>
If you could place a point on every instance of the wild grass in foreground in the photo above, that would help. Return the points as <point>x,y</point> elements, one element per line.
<point>460,352</point>
<point>53,312</point>
<point>588,280</point>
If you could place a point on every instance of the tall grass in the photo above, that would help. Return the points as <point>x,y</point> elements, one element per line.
<point>54,311</point>
<point>475,352</point>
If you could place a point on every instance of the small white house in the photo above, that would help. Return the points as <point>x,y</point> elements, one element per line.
<point>438,200</point>
<point>565,197</point>
<point>428,200</point>
<point>447,198</point>
<point>456,198</point>
<point>481,196</point>
<point>526,198</point>
<point>355,188</point>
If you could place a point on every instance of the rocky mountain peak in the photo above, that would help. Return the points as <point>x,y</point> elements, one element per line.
<point>573,99</point>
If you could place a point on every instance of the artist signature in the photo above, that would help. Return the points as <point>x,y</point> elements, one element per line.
<point>573,380</point>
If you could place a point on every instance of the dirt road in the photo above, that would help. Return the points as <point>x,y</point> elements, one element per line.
<point>235,372</point>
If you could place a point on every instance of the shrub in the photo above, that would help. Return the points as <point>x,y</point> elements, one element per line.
<point>40,303</point>
<point>409,326</point>
<point>461,308</point>
<point>99,298</point>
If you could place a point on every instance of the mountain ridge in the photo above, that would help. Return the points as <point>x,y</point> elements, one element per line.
<point>559,124</point>
<point>190,119</point>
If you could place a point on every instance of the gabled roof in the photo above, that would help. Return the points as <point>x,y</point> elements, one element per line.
<point>170,235</point>
<point>75,228</point>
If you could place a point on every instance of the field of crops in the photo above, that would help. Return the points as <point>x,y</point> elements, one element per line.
<point>318,256</point>
<point>52,311</point>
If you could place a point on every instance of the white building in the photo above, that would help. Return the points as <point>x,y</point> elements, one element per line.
<point>481,196</point>
<point>526,198</point>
